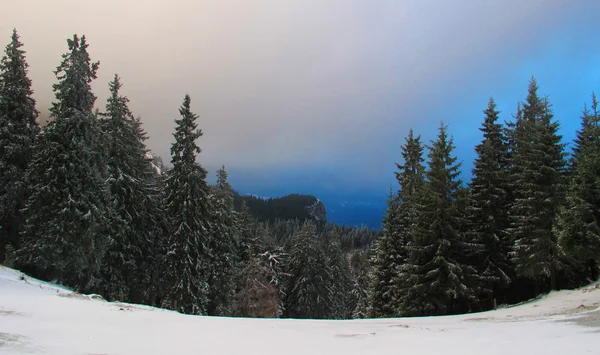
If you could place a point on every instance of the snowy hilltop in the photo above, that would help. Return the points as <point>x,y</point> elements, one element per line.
<point>42,318</point>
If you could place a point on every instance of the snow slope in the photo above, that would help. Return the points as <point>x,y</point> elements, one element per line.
<point>40,318</point>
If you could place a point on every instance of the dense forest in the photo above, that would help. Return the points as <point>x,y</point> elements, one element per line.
<point>83,204</point>
<point>294,206</point>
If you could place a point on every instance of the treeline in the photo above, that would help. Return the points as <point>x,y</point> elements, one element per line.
<point>527,223</point>
<point>294,206</point>
<point>83,204</point>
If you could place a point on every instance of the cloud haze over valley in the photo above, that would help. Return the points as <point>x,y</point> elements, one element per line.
<point>317,96</point>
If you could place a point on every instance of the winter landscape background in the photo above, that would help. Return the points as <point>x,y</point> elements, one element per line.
<point>201,164</point>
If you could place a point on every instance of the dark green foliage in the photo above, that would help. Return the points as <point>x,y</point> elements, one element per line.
<point>537,177</point>
<point>67,214</point>
<point>340,283</point>
<point>248,242</point>
<point>390,251</point>
<point>18,131</point>
<point>385,264</point>
<point>577,225</point>
<point>294,206</point>
<point>128,262</point>
<point>434,272</point>
<point>222,246</point>
<point>361,289</point>
<point>488,208</point>
<point>186,202</point>
<point>259,296</point>
<point>307,291</point>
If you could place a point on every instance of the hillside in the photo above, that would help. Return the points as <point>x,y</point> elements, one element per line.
<point>37,317</point>
<point>294,206</point>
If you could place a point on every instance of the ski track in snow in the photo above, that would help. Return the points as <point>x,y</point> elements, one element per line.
<point>41,318</point>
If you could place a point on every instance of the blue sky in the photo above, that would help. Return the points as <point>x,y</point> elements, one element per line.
<point>316,96</point>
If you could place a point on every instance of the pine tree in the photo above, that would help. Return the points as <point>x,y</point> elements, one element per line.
<point>186,202</point>
<point>488,210</point>
<point>126,267</point>
<point>224,263</point>
<point>18,131</point>
<point>340,280</point>
<point>261,290</point>
<point>384,263</point>
<point>538,164</point>
<point>434,273</point>
<point>307,293</point>
<point>66,234</point>
<point>258,297</point>
<point>578,222</point>
<point>390,251</point>
<point>247,241</point>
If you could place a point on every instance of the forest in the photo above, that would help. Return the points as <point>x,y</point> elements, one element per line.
<point>83,205</point>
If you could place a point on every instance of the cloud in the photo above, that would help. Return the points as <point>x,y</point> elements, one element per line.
<point>329,85</point>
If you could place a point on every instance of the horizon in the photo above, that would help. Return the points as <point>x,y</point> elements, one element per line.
<point>320,103</point>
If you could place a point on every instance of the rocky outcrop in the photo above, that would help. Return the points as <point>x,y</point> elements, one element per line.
<point>317,211</point>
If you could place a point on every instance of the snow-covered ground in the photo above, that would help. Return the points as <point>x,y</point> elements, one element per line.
<point>40,318</point>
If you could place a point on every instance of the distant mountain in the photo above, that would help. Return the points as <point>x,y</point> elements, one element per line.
<point>294,206</point>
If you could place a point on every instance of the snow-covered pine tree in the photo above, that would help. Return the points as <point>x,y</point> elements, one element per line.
<point>488,207</point>
<point>537,171</point>
<point>248,242</point>
<point>434,272</point>
<point>307,293</point>
<point>578,222</point>
<point>222,245</point>
<point>186,200</point>
<point>67,214</point>
<point>391,253</point>
<point>18,131</point>
<point>340,278</point>
<point>258,296</point>
<point>126,267</point>
<point>384,263</point>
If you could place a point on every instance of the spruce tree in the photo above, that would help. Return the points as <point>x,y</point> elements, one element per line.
<point>578,222</point>
<point>126,267</point>
<point>537,170</point>
<point>340,280</point>
<point>223,263</point>
<point>67,214</point>
<point>186,200</point>
<point>434,273</point>
<point>488,207</point>
<point>307,293</point>
<point>18,131</point>
<point>390,250</point>
<point>384,263</point>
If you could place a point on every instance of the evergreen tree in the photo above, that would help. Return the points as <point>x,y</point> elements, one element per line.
<point>67,217</point>
<point>340,280</point>
<point>578,222</point>
<point>488,210</point>
<point>384,263</point>
<point>127,265</point>
<point>261,292</point>
<point>307,293</point>
<point>247,241</point>
<point>537,171</point>
<point>18,131</point>
<point>186,200</point>
<point>223,265</point>
<point>390,251</point>
<point>434,273</point>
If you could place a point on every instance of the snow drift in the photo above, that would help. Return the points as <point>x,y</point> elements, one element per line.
<point>40,318</point>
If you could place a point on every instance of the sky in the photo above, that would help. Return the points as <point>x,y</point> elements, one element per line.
<point>316,96</point>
